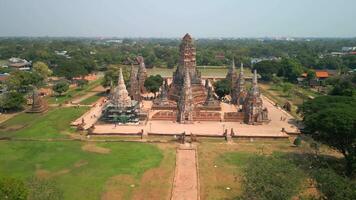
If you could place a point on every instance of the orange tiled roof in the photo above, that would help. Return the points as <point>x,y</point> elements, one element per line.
<point>321,74</point>
<point>318,74</point>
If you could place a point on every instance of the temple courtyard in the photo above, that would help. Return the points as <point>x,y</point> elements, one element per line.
<point>203,128</point>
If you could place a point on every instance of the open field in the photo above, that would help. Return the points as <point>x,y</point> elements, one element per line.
<point>53,124</point>
<point>93,170</point>
<point>84,170</point>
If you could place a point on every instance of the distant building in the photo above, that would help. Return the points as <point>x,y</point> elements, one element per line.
<point>20,64</point>
<point>62,53</point>
<point>220,56</point>
<point>257,60</point>
<point>348,49</point>
<point>320,77</point>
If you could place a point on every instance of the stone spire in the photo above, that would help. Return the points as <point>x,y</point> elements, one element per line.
<point>187,62</point>
<point>239,91</point>
<point>241,80</point>
<point>231,74</point>
<point>255,91</point>
<point>141,74</point>
<point>210,100</point>
<point>207,84</point>
<point>38,104</point>
<point>185,104</point>
<point>134,92</point>
<point>253,105</point>
<point>120,96</point>
<point>164,92</point>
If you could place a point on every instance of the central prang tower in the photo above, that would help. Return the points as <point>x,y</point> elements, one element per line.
<point>187,65</point>
<point>187,62</point>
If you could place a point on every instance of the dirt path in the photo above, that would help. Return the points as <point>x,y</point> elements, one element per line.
<point>185,185</point>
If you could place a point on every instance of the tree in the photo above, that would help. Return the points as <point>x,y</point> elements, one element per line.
<point>333,186</point>
<point>12,100</point>
<point>112,75</point>
<point>42,69</point>
<point>287,87</point>
<point>153,83</point>
<point>290,69</point>
<point>270,178</point>
<point>332,121</point>
<point>82,82</point>
<point>297,141</point>
<point>22,81</point>
<point>343,85</point>
<point>310,75</point>
<point>13,189</point>
<point>61,87</point>
<point>267,69</point>
<point>222,87</point>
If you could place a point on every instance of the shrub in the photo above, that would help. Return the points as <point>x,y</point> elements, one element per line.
<point>42,189</point>
<point>297,142</point>
<point>13,189</point>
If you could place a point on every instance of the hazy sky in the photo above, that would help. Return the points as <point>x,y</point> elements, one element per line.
<point>173,18</point>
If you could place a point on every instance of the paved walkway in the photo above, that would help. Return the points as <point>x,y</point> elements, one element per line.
<point>185,186</point>
<point>92,116</point>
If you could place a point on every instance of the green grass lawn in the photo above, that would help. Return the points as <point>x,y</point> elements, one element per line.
<point>90,100</point>
<point>51,124</point>
<point>79,174</point>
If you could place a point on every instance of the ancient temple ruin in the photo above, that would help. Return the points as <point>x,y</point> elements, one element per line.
<point>137,79</point>
<point>254,113</point>
<point>238,93</point>
<point>39,105</point>
<point>231,74</point>
<point>120,108</point>
<point>162,102</point>
<point>187,63</point>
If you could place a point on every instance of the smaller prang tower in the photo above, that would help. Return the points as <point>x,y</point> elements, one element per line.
<point>185,103</point>
<point>120,108</point>
<point>231,74</point>
<point>238,90</point>
<point>137,79</point>
<point>254,113</point>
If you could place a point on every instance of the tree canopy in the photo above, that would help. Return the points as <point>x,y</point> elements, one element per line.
<point>331,120</point>
<point>153,83</point>
<point>267,69</point>
<point>42,69</point>
<point>61,87</point>
<point>222,87</point>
